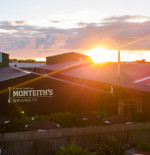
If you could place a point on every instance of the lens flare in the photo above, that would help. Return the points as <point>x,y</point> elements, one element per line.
<point>101,55</point>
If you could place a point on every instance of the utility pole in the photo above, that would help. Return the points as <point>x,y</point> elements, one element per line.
<point>118,76</point>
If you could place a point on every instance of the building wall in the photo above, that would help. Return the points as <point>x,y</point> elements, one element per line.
<point>5,60</point>
<point>66,57</point>
<point>130,106</point>
<point>134,104</point>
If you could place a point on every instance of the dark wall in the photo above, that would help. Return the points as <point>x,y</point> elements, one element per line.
<point>65,57</point>
<point>73,98</point>
<point>5,60</point>
<point>67,97</point>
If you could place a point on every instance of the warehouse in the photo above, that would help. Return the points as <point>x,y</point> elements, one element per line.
<point>61,61</point>
<point>4,59</point>
<point>72,56</point>
<point>66,96</point>
<point>79,86</point>
<point>132,89</point>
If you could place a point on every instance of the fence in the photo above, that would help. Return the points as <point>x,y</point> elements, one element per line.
<point>48,142</point>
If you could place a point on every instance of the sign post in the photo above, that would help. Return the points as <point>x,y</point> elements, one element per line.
<point>118,76</point>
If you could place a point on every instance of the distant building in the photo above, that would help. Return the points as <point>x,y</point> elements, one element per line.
<point>72,56</point>
<point>4,60</point>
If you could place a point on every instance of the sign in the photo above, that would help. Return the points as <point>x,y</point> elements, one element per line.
<point>22,95</point>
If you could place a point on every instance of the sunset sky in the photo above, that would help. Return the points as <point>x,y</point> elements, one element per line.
<point>40,28</point>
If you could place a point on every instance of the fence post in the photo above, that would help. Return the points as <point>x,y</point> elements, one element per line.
<point>127,137</point>
<point>68,140</point>
<point>35,147</point>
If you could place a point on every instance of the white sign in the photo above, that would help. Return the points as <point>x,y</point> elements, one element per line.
<point>0,57</point>
<point>27,94</point>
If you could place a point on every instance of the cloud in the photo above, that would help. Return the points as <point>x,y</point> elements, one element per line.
<point>22,22</point>
<point>21,44</point>
<point>6,23</point>
<point>46,41</point>
<point>111,32</point>
<point>82,24</point>
<point>55,21</point>
<point>125,18</point>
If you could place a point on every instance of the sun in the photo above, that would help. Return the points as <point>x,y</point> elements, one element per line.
<point>101,55</point>
<point>40,59</point>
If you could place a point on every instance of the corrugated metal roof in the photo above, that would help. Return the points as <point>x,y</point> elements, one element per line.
<point>7,73</point>
<point>67,54</point>
<point>135,76</point>
<point>60,65</point>
<point>26,65</point>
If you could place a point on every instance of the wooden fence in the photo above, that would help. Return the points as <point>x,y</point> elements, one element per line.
<point>48,142</point>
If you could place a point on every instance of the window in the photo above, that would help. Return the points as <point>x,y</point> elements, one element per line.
<point>130,106</point>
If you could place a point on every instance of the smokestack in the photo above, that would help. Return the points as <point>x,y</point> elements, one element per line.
<point>118,76</point>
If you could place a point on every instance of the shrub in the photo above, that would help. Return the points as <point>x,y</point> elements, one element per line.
<point>17,124</point>
<point>101,114</point>
<point>64,119</point>
<point>144,146</point>
<point>112,147</point>
<point>72,149</point>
